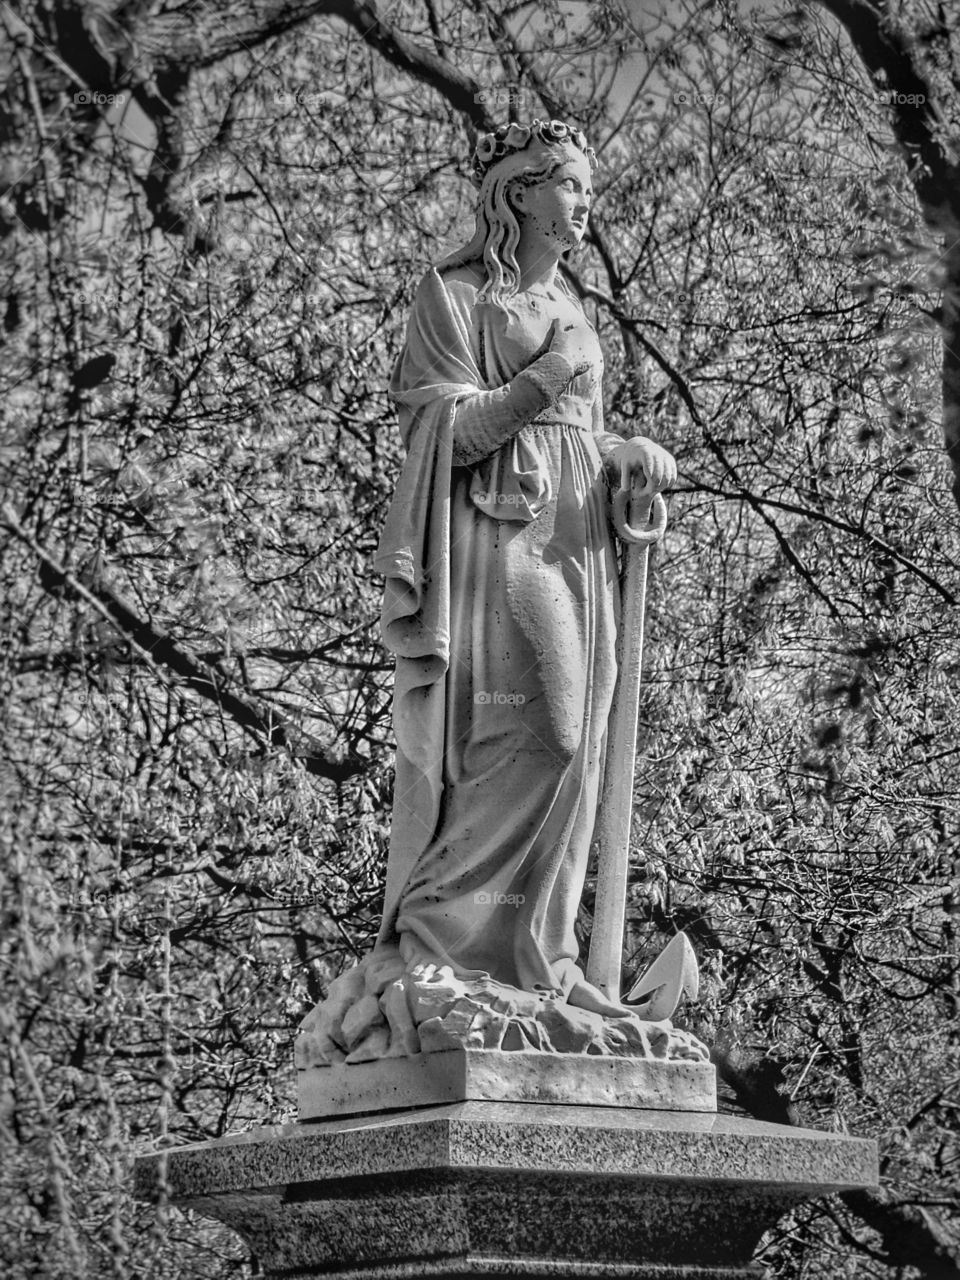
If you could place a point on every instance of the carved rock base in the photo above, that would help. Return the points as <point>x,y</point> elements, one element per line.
<point>383,1009</point>
<point>476,1075</point>
<point>490,1189</point>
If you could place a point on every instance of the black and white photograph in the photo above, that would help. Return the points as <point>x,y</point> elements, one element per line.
<point>480,639</point>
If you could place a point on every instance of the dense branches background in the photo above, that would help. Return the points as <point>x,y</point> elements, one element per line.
<point>212,226</point>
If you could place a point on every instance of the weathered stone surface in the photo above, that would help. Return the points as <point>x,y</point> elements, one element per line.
<point>321,1032</point>
<point>385,1010</point>
<point>486,1189</point>
<point>404,1038</point>
<point>486,1074</point>
<point>359,1020</point>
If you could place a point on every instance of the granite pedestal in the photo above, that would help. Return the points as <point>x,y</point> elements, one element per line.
<point>494,1188</point>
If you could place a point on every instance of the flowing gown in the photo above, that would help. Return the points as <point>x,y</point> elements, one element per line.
<point>501,606</point>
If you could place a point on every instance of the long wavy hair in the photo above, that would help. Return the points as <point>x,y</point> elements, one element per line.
<point>498,228</point>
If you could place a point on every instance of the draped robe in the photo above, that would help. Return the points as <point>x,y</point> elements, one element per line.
<point>500,605</point>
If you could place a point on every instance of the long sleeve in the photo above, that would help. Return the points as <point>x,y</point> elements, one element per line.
<point>486,420</point>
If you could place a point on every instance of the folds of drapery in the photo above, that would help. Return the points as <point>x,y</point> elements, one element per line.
<point>435,371</point>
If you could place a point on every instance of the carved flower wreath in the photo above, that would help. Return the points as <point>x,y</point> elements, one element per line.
<point>492,147</point>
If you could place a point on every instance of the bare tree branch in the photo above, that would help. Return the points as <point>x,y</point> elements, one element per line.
<point>891,57</point>
<point>160,650</point>
<point>154,59</point>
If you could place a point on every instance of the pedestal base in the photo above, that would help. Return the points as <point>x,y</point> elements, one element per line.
<point>509,1189</point>
<point>487,1075</point>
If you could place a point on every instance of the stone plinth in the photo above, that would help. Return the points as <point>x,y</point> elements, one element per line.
<point>509,1189</point>
<point>488,1075</point>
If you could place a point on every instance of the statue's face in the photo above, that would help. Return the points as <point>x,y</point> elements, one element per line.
<point>557,208</point>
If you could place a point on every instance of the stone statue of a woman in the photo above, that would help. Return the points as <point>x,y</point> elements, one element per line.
<point>501,607</point>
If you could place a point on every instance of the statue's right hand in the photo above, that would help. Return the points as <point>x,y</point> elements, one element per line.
<point>566,340</point>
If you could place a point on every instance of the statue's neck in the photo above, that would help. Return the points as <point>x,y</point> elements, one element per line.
<point>537,262</point>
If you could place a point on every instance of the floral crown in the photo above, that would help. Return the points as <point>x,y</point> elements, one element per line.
<point>508,138</point>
